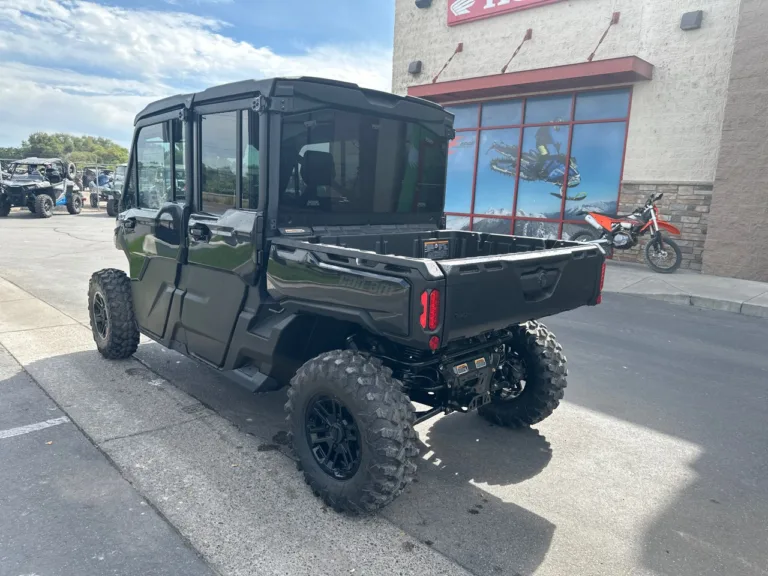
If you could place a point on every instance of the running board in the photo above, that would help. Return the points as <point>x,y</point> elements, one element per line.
<point>250,378</point>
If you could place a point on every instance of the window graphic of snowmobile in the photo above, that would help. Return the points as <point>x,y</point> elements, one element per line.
<point>545,163</point>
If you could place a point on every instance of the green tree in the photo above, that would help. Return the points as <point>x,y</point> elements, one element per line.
<point>72,148</point>
<point>11,152</point>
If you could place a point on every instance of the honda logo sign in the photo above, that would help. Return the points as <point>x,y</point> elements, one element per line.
<point>460,11</point>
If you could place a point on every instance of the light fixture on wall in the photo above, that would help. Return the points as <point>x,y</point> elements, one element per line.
<point>423,3</point>
<point>414,67</point>
<point>691,20</point>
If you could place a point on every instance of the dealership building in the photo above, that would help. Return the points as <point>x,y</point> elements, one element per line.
<point>563,106</point>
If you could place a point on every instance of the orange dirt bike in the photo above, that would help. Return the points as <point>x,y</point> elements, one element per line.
<point>624,231</point>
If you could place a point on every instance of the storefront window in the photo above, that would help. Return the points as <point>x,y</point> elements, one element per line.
<point>492,225</point>
<point>542,167</point>
<point>536,229</point>
<point>601,105</point>
<point>496,171</point>
<point>570,160</point>
<point>457,222</point>
<point>461,168</point>
<point>504,113</point>
<point>465,115</point>
<point>548,109</point>
<point>597,150</point>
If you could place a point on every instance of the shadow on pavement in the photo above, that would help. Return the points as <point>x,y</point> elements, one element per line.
<point>699,376</point>
<point>443,508</point>
<point>470,447</point>
<point>448,508</point>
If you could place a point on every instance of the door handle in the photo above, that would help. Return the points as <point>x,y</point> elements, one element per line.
<point>199,232</point>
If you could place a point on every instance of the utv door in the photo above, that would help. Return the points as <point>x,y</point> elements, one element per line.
<point>151,229</point>
<point>221,231</point>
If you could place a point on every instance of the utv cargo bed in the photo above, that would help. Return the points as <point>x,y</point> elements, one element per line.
<point>486,281</point>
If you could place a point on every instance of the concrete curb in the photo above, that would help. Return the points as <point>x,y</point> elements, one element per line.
<point>746,297</point>
<point>723,305</point>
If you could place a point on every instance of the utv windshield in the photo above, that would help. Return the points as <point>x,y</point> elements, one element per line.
<point>26,172</point>
<point>344,162</point>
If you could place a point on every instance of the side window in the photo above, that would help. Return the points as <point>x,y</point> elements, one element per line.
<point>179,147</point>
<point>153,157</point>
<point>218,145</point>
<point>129,197</point>
<point>250,168</point>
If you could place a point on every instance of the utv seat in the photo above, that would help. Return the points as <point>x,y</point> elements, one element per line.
<point>317,169</point>
<point>53,175</point>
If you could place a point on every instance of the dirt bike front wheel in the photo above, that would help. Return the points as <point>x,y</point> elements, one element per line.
<point>665,259</point>
<point>584,236</point>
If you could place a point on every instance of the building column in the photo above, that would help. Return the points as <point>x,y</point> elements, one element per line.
<point>737,237</point>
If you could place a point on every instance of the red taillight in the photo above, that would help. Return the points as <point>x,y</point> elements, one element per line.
<point>434,310</point>
<point>602,281</point>
<point>434,343</point>
<point>430,310</point>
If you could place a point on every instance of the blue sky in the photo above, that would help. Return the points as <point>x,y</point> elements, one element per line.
<point>87,67</point>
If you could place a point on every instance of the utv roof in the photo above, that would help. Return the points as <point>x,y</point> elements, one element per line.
<point>34,160</point>
<point>317,89</point>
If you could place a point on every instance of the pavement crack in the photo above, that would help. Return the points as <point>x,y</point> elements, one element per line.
<point>58,231</point>
<point>158,429</point>
<point>758,296</point>
<point>629,285</point>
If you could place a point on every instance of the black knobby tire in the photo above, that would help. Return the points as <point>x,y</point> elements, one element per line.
<point>94,198</point>
<point>383,415</point>
<point>74,203</point>
<point>118,337</point>
<point>545,379</point>
<point>668,243</point>
<point>43,206</point>
<point>5,208</point>
<point>112,208</point>
<point>584,236</point>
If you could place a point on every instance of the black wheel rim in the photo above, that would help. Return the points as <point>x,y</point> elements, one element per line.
<point>47,205</point>
<point>664,259</point>
<point>333,437</point>
<point>100,317</point>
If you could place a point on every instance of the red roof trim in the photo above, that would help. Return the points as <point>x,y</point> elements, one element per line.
<point>570,76</point>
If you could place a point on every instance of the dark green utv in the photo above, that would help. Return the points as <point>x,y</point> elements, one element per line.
<point>290,232</point>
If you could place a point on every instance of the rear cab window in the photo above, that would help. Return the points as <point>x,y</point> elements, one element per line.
<point>344,162</point>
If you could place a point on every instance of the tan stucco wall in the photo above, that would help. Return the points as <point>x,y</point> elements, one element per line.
<point>676,118</point>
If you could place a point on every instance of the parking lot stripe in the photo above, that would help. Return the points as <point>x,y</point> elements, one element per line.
<point>11,432</point>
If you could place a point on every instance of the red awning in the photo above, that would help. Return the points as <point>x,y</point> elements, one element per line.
<point>568,77</point>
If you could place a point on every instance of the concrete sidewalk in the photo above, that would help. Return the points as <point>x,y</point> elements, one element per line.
<point>683,287</point>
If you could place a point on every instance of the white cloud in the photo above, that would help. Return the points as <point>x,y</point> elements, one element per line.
<point>127,58</point>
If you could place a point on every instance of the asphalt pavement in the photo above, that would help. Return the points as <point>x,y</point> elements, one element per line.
<point>65,510</point>
<point>655,463</point>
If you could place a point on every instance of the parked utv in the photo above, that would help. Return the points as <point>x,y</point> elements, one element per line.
<point>112,195</point>
<point>98,182</point>
<point>307,249</point>
<point>39,184</point>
